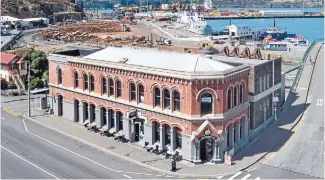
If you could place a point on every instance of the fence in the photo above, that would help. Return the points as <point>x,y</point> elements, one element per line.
<point>301,64</point>
<point>259,130</point>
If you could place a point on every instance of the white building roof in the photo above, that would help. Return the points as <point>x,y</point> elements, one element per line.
<point>147,57</point>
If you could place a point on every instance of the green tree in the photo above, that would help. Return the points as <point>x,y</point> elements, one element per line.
<point>36,83</point>
<point>45,77</point>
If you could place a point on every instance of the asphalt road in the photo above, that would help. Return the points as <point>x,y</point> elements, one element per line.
<point>302,156</point>
<point>30,151</point>
<point>304,152</point>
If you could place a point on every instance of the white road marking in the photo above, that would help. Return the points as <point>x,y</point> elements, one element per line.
<point>2,118</point>
<point>258,178</point>
<point>86,157</point>
<point>29,162</point>
<point>127,176</point>
<point>219,177</point>
<point>233,177</point>
<point>25,126</point>
<point>245,177</point>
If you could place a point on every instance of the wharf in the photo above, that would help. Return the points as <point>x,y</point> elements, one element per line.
<point>258,17</point>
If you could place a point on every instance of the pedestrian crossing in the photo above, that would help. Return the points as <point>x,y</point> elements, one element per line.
<point>11,112</point>
<point>241,175</point>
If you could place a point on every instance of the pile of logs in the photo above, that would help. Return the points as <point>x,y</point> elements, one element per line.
<point>81,31</point>
<point>121,41</point>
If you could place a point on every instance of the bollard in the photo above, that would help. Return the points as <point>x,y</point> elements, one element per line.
<point>173,165</point>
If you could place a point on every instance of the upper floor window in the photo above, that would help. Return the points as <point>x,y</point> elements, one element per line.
<point>235,96</point>
<point>141,93</point>
<point>59,76</point>
<point>85,77</point>
<point>132,91</point>
<point>157,97</point>
<point>229,98</point>
<point>76,79</point>
<point>111,87</point>
<point>166,99</point>
<point>92,83</point>
<point>177,101</point>
<point>241,93</point>
<point>118,88</point>
<point>206,104</point>
<point>104,85</point>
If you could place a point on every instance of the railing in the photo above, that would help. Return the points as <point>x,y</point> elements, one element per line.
<point>243,143</point>
<point>301,64</point>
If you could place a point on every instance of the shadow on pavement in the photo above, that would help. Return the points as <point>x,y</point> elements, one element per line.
<point>272,139</point>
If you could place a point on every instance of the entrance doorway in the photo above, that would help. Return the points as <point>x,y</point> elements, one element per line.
<point>60,105</point>
<point>138,129</point>
<point>206,150</point>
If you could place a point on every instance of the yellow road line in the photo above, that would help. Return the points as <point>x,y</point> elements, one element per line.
<point>11,112</point>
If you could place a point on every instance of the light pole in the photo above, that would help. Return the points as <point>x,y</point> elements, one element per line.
<point>275,103</point>
<point>29,113</point>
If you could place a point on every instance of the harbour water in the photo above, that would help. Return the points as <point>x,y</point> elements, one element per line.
<point>310,28</point>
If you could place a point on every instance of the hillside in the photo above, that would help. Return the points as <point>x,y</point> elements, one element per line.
<point>36,8</point>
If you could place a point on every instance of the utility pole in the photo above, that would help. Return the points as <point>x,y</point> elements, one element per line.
<point>29,113</point>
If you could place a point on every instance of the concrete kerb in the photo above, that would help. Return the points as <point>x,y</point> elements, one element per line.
<point>126,158</point>
<point>286,137</point>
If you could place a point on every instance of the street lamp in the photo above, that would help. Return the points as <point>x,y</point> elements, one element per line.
<point>29,113</point>
<point>275,104</point>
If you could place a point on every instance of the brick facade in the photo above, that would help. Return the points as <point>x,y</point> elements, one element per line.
<point>189,119</point>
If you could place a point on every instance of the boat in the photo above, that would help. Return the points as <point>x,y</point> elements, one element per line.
<point>277,33</point>
<point>192,22</point>
<point>297,41</point>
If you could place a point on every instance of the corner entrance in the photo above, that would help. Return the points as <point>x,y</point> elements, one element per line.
<point>206,149</point>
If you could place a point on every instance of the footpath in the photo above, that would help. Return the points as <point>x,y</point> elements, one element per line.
<point>269,141</point>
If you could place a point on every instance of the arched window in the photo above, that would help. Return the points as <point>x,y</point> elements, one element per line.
<point>111,87</point>
<point>59,76</point>
<point>177,101</point>
<point>166,99</point>
<point>76,79</point>
<point>206,104</point>
<point>178,132</point>
<point>85,77</point>
<point>141,93</point>
<point>92,82</point>
<point>133,92</point>
<point>242,128</point>
<point>241,93</point>
<point>235,132</point>
<point>157,97</point>
<point>235,96</point>
<point>118,88</point>
<point>167,134</point>
<point>228,136</point>
<point>104,85</point>
<point>229,98</point>
<point>157,131</point>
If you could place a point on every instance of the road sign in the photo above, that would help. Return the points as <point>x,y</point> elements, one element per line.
<point>228,160</point>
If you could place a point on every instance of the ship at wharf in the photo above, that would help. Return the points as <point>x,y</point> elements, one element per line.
<point>258,17</point>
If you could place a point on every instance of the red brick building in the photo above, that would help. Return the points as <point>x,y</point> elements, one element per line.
<point>176,101</point>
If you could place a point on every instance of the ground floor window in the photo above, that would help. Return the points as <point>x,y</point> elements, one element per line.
<point>167,134</point>
<point>178,138</point>
<point>157,131</point>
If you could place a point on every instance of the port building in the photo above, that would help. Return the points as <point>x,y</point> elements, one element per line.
<point>198,106</point>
